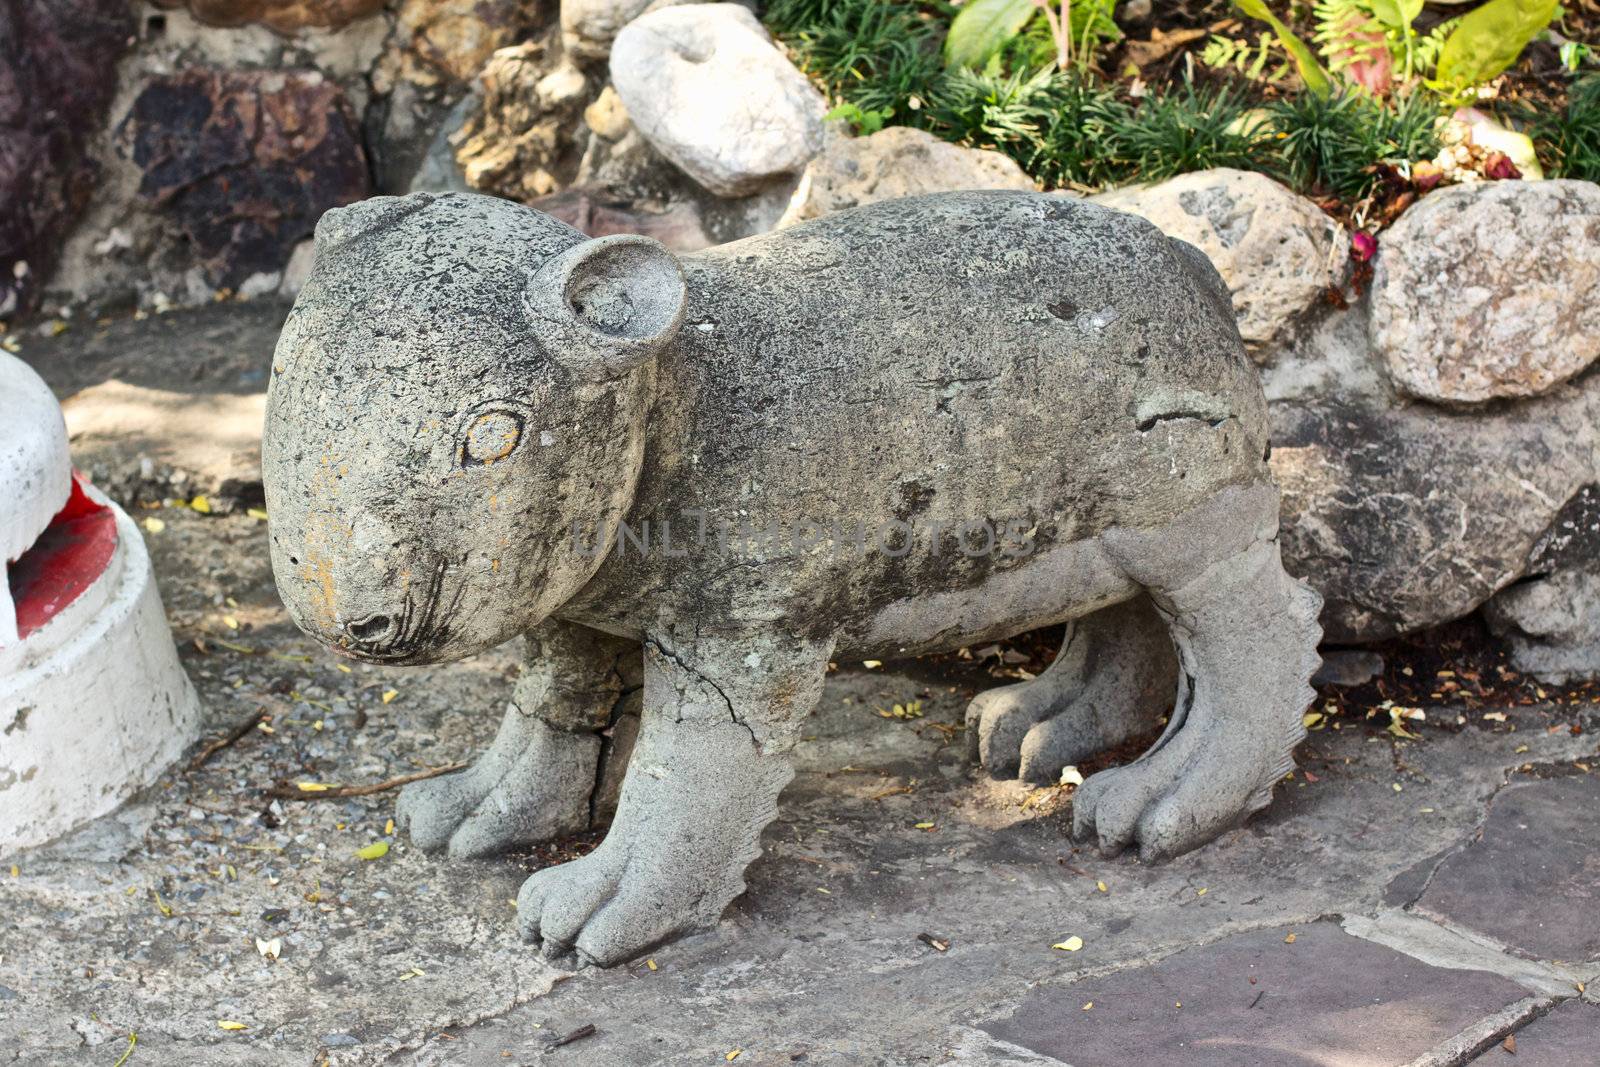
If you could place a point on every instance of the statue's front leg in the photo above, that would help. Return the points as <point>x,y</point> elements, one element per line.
<point>538,778</point>
<point>720,717</point>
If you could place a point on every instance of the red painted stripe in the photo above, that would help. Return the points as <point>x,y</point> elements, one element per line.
<point>67,559</point>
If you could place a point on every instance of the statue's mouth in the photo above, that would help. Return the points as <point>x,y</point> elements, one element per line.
<point>422,626</point>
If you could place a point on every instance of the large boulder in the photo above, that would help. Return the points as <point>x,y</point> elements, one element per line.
<point>57,75</point>
<point>1279,254</point>
<point>1490,290</point>
<point>709,89</point>
<point>285,16</point>
<point>244,162</point>
<point>898,161</point>
<point>1411,516</point>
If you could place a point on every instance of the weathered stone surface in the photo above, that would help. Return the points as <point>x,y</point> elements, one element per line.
<point>518,141</point>
<point>1410,517</point>
<point>451,40</point>
<point>244,162</point>
<point>707,86</point>
<point>1568,1036</point>
<point>57,75</point>
<point>285,16</point>
<point>1277,251</point>
<point>1552,625</point>
<point>589,26</point>
<point>627,174</point>
<point>536,388</point>
<point>1531,880</point>
<point>1348,667</point>
<point>1260,999</point>
<point>898,161</point>
<point>1490,290</point>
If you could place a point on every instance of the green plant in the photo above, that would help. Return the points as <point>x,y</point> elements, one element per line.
<point>1317,79</point>
<point>879,55</point>
<point>1489,39</point>
<point>1187,127</point>
<point>864,123</point>
<point>1571,137</point>
<point>1335,144</point>
<point>1262,61</point>
<point>1073,28</point>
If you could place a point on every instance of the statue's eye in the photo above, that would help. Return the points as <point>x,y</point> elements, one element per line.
<point>492,436</point>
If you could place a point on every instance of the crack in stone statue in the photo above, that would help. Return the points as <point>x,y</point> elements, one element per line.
<point>464,383</point>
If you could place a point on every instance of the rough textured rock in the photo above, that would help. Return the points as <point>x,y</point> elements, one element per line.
<point>539,388</point>
<point>285,16</point>
<point>707,86</point>
<point>57,75</point>
<point>1410,517</point>
<point>1552,625</point>
<point>1490,290</point>
<point>589,26</point>
<point>1278,252</point>
<point>244,162</point>
<point>898,161</point>
<point>518,142</point>
<point>451,40</point>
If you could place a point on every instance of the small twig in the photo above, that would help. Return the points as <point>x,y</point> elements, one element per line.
<point>232,738</point>
<point>586,1030</point>
<point>1256,1001</point>
<point>938,944</point>
<point>336,791</point>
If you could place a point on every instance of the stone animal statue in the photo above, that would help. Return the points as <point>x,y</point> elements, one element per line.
<point>477,415</point>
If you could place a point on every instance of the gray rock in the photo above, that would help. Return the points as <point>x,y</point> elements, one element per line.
<point>589,26</point>
<point>898,161</point>
<point>1277,251</point>
<point>1490,290</point>
<point>1408,517</point>
<point>1348,667</point>
<point>707,86</point>
<point>470,399</point>
<point>1552,625</point>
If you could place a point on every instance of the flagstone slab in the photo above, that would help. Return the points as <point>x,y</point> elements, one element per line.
<point>1568,1036</point>
<point>1258,998</point>
<point>1532,880</point>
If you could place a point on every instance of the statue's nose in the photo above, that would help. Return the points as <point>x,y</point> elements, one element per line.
<point>370,630</point>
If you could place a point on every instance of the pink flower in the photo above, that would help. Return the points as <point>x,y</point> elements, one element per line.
<point>1363,246</point>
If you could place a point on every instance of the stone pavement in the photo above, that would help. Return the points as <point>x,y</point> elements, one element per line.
<point>1404,901</point>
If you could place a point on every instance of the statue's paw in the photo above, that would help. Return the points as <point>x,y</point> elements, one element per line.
<point>431,810</point>
<point>1030,731</point>
<point>478,813</point>
<point>999,720</point>
<point>596,910</point>
<point>1176,798</point>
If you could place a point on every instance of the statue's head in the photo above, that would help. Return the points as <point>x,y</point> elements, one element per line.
<point>462,382</point>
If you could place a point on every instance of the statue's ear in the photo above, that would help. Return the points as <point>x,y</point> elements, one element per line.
<point>608,305</point>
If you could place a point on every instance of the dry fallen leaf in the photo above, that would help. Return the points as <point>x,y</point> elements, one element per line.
<point>312,787</point>
<point>201,504</point>
<point>229,1024</point>
<point>154,525</point>
<point>1070,776</point>
<point>1071,944</point>
<point>1289,940</point>
<point>270,949</point>
<point>376,850</point>
<point>1102,887</point>
<point>390,694</point>
<point>1089,1005</point>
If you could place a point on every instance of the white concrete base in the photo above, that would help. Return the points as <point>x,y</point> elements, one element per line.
<point>93,706</point>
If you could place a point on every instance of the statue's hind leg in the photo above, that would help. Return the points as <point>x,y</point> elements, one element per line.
<point>539,778</point>
<point>1246,635</point>
<point>1110,681</point>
